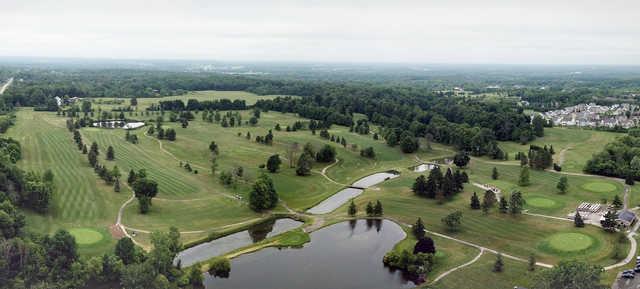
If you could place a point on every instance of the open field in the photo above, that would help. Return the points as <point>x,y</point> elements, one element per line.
<point>480,275</point>
<point>578,145</point>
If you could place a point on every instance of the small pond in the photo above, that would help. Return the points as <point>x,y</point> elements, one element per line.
<point>217,247</point>
<point>346,194</point>
<point>343,255</point>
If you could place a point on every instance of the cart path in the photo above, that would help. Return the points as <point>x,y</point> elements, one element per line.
<point>457,267</point>
<point>324,173</point>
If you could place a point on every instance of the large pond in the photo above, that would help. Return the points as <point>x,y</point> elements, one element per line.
<point>217,247</point>
<point>344,255</point>
<point>341,197</point>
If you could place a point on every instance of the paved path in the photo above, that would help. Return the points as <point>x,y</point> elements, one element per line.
<point>6,85</point>
<point>498,193</point>
<point>632,250</point>
<point>457,268</point>
<point>487,249</point>
<point>324,173</point>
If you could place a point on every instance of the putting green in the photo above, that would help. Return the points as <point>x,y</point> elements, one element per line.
<point>86,236</point>
<point>599,187</point>
<point>541,202</point>
<point>569,242</point>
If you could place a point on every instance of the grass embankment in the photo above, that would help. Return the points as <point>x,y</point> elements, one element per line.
<point>291,239</point>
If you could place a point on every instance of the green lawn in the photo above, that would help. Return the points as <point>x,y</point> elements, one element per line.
<point>580,145</point>
<point>80,200</point>
<point>480,275</point>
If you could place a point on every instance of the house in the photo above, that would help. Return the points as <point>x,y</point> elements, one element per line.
<point>626,218</point>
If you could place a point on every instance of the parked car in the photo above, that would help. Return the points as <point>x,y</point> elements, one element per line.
<point>628,275</point>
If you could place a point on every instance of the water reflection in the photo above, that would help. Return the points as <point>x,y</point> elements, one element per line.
<point>343,255</point>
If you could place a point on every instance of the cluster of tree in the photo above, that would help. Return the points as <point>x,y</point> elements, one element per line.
<point>374,210</point>
<point>143,188</point>
<point>540,158</point>
<point>305,161</point>
<point>231,119</point>
<point>416,265</point>
<point>266,139</point>
<point>451,121</point>
<point>437,186</point>
<point>263,195</point>
<point>132,138</point>
<point>361,127</point>
<point>368,152</point>
<point>194,104</point>
<point>326,154</point>
<point>111,177</point>
<point>620,158</point>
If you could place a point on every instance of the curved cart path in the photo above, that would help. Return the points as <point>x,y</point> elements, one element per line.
<point>444,274</point>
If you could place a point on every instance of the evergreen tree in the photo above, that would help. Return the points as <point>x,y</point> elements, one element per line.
<point>609,221</point>
<point>494,173</point>
<point>116,186</point>
<point>418,229</point>
<point>516,202</point>
<point>524,177</point>
<point>273,163</point>
<point>475,202</point>
<point>532,263</point>
<point>498,266</point>
<point>132,177</point>
<point>110,153</point>
<point>578,221</point>
<point>617,202</point>
<point>504,207</point>
<point>420,186</point>
<point>563,185</point>
<point>369,209</point>
<point>304,165</point>
<point>449,187</point>
<point>94,148</point>
<point>353,210</point>
<point>377,209</point>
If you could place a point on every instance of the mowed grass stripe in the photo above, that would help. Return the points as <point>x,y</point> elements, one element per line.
<point>172,180</point>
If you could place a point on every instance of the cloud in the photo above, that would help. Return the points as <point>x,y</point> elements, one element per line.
<point>454,31</point>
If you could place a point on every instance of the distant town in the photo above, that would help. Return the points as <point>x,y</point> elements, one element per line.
<point>593,115</point>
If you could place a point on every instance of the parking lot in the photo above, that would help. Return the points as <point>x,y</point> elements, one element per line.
<point>622,283</point>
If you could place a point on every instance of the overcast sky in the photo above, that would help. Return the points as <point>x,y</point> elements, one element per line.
<point>424,31</point>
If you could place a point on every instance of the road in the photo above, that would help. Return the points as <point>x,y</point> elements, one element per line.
<point>6,85</point>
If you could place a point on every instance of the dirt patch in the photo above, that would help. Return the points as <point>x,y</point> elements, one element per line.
<point>116,232</point>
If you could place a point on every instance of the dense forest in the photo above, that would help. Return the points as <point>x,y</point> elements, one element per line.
<point>470,124</point>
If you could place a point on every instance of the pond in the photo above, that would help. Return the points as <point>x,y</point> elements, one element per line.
<point>343,255</point>
<point>217,247</point>
<point>346,194</point>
